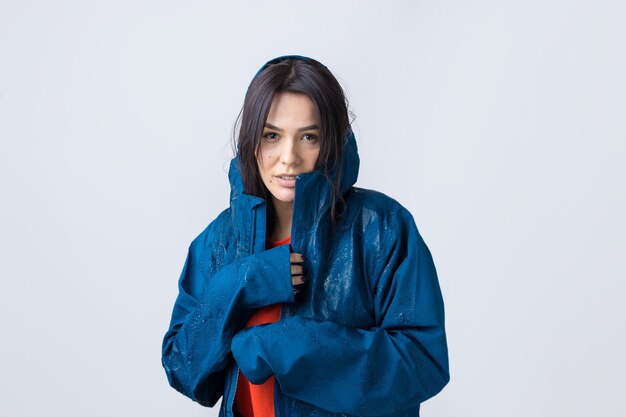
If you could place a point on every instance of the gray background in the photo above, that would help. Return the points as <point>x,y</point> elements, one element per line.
<point>500,125</point>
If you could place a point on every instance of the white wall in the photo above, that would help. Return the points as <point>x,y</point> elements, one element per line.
<point>499,124</point>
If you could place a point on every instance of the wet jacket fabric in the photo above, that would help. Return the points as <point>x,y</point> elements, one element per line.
<point>257,400</point>
<point>365,337</point>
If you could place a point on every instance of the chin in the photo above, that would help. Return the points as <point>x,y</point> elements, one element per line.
<point>285,198</point>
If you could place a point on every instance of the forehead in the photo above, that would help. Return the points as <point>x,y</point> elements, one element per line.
<point>291,109</point>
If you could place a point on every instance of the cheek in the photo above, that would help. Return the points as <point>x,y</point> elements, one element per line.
<point>264,161</point>
<point>314,157</point>
<point>266,154</point>
<point>263,154</point>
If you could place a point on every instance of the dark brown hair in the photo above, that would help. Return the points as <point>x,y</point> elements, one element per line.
<point>295,75</point>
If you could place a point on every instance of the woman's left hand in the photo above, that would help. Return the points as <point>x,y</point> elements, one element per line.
<point>297,271</point>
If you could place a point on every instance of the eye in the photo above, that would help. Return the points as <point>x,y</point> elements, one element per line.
<point>309,137</point>
<point>269,136</point>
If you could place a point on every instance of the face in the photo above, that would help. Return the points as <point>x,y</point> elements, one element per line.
<point>289,145</point>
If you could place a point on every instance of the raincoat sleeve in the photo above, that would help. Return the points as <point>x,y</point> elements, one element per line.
<point>211,308</point>
<point>367,372</point>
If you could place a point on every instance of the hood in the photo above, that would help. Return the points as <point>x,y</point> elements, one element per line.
<point>313,192</point>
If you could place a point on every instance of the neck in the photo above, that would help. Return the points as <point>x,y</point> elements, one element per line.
<point>284,215</point>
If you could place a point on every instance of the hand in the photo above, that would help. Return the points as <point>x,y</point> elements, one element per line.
<point>297,271</point>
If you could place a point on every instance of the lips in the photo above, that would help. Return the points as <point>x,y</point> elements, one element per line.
<point>288,181</point>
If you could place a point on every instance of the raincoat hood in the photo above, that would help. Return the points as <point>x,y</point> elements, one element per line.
<point>314,185</point>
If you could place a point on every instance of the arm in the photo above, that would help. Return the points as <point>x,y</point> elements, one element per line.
<point>210,309</point>
<point>379,371</point>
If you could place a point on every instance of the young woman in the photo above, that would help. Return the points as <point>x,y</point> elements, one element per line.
<point>307,296</point>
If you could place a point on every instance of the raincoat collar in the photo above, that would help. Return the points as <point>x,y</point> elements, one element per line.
<point>313,191</point>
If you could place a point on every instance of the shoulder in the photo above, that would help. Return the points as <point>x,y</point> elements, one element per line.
<point>383,221</point>
<point>371,206</point>
<point>215,239</point>
<point>386,228</point>
<point>217,227</point>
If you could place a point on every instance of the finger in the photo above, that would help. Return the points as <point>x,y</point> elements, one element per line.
<point>296,269</point>
<point>297,279</point>
<point>296,257</point>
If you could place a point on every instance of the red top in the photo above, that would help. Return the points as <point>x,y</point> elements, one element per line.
<point>258,400</point>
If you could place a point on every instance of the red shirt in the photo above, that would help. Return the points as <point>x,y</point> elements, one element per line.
<point>258,400</point>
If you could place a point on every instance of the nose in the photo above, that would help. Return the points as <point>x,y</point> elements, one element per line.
<point>289,154</point>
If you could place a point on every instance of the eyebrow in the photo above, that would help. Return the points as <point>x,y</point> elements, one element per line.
<point>311,127</point>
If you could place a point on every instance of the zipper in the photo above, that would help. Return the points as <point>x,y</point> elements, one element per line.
<point>252,242</point>
<point>276,403</point>
<point>232,400</point>
<point>252,231</point>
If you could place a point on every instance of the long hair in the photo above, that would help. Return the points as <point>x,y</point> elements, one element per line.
<point>296,75</point>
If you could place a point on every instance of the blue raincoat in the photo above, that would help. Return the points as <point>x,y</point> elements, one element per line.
<point>366,335</point>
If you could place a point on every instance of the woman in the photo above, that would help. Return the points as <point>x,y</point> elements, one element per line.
<point>307,296</point>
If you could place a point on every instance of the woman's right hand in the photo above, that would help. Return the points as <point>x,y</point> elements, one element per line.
<point>297,271</point>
